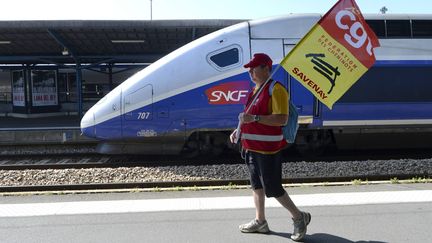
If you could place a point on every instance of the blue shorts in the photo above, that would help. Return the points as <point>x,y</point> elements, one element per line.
<point>265,172</point>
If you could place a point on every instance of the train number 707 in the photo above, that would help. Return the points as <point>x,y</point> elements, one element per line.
<point>143,115</point>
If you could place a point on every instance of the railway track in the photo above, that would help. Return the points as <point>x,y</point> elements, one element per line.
<point>26,162</point>
<point>75,160</point>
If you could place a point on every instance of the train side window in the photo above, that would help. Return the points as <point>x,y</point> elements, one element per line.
<point>225,58</point>
<point>378,26</point>
<point>422,28</point>
<point>398,28</point>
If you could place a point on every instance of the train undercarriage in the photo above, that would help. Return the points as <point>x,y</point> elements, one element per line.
<point>308,142</point>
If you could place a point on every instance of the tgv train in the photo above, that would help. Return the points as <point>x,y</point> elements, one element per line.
<point>188,101</point>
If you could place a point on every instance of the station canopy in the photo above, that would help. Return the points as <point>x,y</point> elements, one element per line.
<point>98,41</point>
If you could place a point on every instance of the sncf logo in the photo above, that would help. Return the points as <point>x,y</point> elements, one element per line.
<point>228,93</point>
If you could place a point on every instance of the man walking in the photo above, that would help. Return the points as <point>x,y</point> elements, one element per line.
<point>262,140</point>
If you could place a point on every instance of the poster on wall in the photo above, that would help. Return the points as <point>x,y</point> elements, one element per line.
<point>18,91</point>
<point>44,88</point>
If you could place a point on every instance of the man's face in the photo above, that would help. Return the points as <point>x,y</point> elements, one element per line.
<point>259,74</point>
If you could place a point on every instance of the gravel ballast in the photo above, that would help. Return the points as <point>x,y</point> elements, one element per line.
<point>303,169</point>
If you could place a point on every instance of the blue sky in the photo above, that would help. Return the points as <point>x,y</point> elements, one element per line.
<point>187,9</point>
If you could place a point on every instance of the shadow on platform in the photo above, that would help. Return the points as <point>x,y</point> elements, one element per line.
<point>323,238</point>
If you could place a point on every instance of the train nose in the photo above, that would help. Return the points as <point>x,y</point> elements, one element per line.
<point>88,124</point>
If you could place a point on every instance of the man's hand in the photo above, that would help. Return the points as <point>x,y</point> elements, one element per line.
<point>233,136</point>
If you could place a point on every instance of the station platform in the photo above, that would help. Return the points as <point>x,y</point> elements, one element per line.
<point>50,128</point>
<point>340,214</point>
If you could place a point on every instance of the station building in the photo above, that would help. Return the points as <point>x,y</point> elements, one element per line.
<point>58,68</point>
<point>51,72</point>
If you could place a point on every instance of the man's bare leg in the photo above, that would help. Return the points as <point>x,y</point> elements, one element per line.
<point>259,200</point>
<point>287,203</point>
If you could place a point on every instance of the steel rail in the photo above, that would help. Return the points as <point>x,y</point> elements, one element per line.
<point>94,160</point>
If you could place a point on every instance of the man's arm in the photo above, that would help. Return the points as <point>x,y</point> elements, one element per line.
<point>270,120</point>
<point>279,107</point>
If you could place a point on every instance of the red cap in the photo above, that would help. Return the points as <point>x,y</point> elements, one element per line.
<point>258,60</point>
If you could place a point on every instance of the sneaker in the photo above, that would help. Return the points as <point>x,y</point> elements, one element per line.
<point>300,226</point>
<point>254,227</point>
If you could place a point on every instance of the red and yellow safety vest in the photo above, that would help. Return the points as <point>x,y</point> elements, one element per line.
<point>260,137</point>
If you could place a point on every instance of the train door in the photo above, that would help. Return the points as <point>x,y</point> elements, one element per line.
<point>137,111</point>
<point>302,98</point>
<point>306,104</point>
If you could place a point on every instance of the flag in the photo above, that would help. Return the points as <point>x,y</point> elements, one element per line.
<point>334,54</point>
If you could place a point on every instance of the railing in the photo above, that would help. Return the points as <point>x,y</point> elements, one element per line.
<point>6,97</point>
<point>86,96</point>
